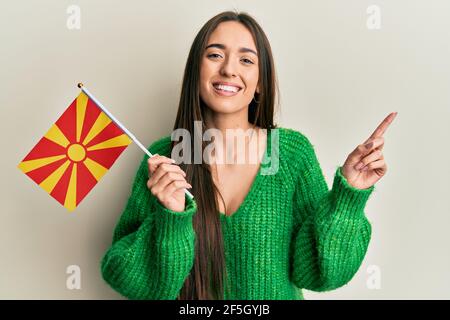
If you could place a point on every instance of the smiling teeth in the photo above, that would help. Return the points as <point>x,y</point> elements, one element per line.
<point>226,88</point>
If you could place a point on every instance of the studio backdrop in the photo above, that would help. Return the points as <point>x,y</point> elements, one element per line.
<point>342,67</point>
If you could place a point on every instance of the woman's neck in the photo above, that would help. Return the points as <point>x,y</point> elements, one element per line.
<point>227,121</point>
<point>231,126</point>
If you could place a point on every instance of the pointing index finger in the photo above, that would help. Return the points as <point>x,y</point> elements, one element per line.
<point>381,129</point>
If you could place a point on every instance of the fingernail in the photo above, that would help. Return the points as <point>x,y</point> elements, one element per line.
<point>359,165</point>
<point>172,160</point>
<point>369,145</point>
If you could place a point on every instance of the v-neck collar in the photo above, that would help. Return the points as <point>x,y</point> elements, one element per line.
<point>255,186</point>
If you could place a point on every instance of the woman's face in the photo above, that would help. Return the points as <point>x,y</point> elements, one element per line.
<point>229,68</point>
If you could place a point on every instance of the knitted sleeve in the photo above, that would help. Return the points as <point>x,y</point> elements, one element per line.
<point>333,233</point>
<point>152,251</point>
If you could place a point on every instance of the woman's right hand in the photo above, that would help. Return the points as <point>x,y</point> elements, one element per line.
<point>167,182</point>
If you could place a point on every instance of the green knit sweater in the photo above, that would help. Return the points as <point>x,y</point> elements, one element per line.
<point>291,232</point>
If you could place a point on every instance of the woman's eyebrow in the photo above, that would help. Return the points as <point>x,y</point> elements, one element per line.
<point>221,46</point>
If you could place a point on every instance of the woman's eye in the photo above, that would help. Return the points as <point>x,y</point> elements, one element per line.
<point>216,55</point>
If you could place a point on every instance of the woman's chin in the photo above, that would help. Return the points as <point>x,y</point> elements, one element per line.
<point>225,108</point>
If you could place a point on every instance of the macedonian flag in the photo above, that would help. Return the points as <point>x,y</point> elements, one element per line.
<point>75,153</point>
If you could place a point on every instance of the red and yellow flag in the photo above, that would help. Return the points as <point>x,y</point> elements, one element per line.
<point>75,153</point>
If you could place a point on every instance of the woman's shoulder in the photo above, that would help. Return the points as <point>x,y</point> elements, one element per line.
<point>294,142</point>
<point>294,151</point>
<point>290,134</point>
<point>161,146</point>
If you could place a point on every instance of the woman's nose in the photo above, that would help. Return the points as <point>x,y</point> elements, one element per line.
<point>228,68</point>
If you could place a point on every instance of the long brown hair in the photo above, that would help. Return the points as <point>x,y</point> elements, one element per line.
<point>208,275</point>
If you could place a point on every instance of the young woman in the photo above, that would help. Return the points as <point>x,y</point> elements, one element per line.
<point>246,234</point>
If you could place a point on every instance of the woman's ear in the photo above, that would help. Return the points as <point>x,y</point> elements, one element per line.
<point>257,89</point>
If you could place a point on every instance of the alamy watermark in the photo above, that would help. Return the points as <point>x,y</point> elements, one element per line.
<point>374,19</point>
<point>74,19</point>
<point>74,279</point>
<point>374,279</point>
<point>220,150</point>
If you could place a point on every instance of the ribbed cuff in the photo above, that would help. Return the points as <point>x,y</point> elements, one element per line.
<point>348,198</point>
<point>172,224</point>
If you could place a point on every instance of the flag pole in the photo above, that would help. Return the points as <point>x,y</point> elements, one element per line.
<point>121,126</point>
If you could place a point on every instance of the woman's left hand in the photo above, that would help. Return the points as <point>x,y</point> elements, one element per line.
<point>366,165</point>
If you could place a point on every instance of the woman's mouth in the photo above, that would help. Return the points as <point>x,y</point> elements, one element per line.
<point>226,90</point>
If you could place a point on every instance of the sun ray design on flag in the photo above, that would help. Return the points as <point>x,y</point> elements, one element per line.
<point>75,152</point>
